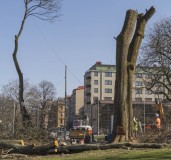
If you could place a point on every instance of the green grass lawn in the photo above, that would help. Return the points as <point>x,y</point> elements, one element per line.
<point>100,137</point>
<point>115,154</point>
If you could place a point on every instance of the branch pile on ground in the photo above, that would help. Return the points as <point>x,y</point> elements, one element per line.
<point>156,136</point>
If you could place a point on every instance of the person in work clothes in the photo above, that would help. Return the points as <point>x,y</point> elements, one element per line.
<point>135,127</point>
<point>158,122</point>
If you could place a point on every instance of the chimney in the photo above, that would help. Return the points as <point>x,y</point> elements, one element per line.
<point>98,63</point>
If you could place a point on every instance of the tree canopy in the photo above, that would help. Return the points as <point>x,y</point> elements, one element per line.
<point>155,58</point>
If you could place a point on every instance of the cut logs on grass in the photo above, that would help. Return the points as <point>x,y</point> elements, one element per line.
<point>87,147</point>
<point>55,148</point>
<point>28,149</point>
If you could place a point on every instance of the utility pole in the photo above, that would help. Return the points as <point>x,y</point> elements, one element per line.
<point>144,115</point>
<point>98,116</point>
<point>65,122</point>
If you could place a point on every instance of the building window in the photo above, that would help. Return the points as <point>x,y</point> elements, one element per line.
<point>96,74</point>
<point>148,92</point>
<point>148,84</point>
<point>137,83</point>
<point>138,99</point>
<point>88,90</point>
<point>158,84</point>
<point>139,75</point>
<point>95,90</point>
<point>159,91</point>
<point>158,76</point>
<point>169,92</point>
<point>138,91</point>
<point>107,98</point>
<point>61,114</point>
<point>96,82</point>
<point>61,107</point>
<point>108,90</point>
<point>108,74</point>
<point>87,99</point>
<point>148,99</point>
<point>148,76</point>
<point>108,82</point>
<point>95,99</point>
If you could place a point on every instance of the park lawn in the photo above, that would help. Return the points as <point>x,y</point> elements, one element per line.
<point>116,154</point>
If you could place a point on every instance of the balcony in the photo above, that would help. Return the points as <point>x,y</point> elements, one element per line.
<point>88,94</point>
<point>88,102</point>
<point>88,85</point>
<point>88,77</point>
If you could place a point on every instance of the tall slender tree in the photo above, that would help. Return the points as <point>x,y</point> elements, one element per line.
<point>47,10</point>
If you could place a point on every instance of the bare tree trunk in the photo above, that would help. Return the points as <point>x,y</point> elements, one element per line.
<point>44,10</point>
<point>132,59</point>
<point>126,55</point>
<point>24,113</point>
<point>44,116</point>
<point>123,41</point>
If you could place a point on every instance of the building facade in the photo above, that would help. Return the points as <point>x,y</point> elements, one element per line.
<point>76,103</point>
<point>57,114</point>
<point>99,83</point>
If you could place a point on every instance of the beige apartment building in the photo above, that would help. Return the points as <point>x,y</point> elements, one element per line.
<point>57,114</point>
<point>99,83</point>
<point>75,104</point>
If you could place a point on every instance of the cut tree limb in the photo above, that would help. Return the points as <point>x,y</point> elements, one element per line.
<point>87,147</point>
<point>53,148</point>
<point>29,149</point>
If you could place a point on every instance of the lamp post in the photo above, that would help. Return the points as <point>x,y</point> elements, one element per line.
<point>65,121</point>
<point>1,127</point>
<point>13,121</point>
<point>97,116</point>
<point>37,115</point>
<point>96,102</point>
<point>144,114</point>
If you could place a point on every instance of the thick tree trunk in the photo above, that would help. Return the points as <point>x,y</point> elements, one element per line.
<point>132,59</point>
<point>126,55</point>
<point>123,41</point>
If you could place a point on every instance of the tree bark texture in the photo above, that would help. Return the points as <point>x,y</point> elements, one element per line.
<point>127,46</point>
<point>132,58</point>
<point>122,46</point>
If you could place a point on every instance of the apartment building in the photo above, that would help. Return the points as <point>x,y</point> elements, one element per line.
<point>76,103</point>
<point>57,114</point>
<point>99,83</point>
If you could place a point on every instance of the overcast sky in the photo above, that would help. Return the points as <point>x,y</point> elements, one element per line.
<point>80,37</point>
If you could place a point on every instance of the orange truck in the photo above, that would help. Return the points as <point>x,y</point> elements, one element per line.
<point>81,134</point>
